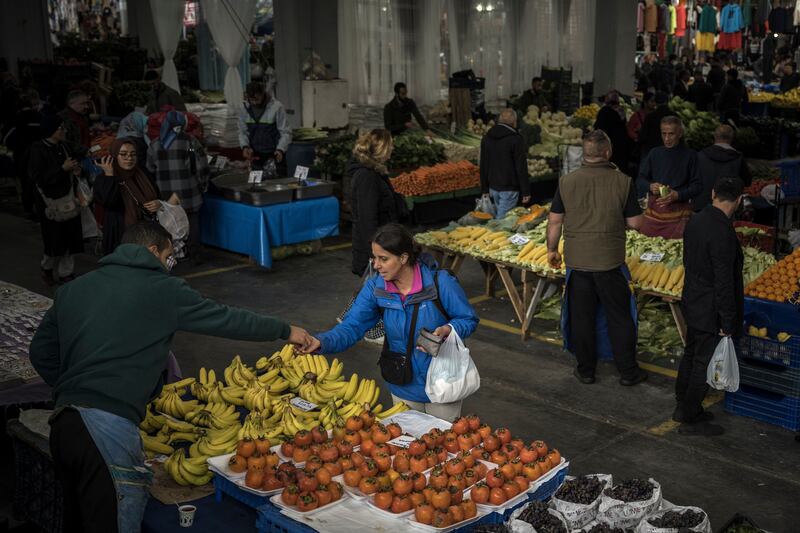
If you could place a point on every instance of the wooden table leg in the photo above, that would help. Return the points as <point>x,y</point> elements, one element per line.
<point>513,293</point>
<point>490,278</point>
<point>455,266</point>
<point>527,290</point>
<point>680,322</point>
<point>541,285</point>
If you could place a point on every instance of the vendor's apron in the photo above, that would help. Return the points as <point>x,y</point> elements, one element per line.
<point>665,221</point>
<point>602,339</point>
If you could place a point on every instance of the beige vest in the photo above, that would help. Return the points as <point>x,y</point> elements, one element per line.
<point>594,198</point>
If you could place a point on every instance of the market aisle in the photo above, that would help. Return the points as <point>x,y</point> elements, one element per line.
<point>528,386</point>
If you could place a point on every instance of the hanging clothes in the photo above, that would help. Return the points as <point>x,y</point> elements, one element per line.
<point>680,20</point>
<point>747,13</point>
<point>705,42</point>
<point>731,25</point>
<point>640,17</point>
<point>650,16</point>
<point>671,25</point>
<point>708,20</point>
<point>796,17</point>
<point>662,14</point>
<point>662,45</point>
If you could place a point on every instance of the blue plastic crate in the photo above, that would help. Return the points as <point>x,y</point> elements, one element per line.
<point>766,406</point>
<point>224,486</point>
<point>770,377</point>
<point>776,317</point>
<point>790,178</point>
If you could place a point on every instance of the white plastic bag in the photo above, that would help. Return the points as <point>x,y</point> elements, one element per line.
<point>627,515</point>
<point>173,218</point>
<point>484,205</point>
<point>723,369</point>
<point>578,515</point>
<point>452,375</point>
<point>646,527</point>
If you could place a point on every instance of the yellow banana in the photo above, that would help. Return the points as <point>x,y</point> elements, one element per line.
<point>203,375</point>
<point>399,407</point>
<point>153,445</point>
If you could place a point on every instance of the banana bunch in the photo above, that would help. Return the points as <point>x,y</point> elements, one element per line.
<point>238,373</point>
<point>258,399</point>
<point>657,277</point>
<point>216,442</point>
<point>293,421</point>
<point>214,415</point>
<point>170,402</point>
<point>278,359</point>
<point>157,444</point>
<point>311,367</point>
<point>399,407</point>
<point>202,388</point>
<point>151,422</point>
<point>188,470</point>
<point>256,425</point>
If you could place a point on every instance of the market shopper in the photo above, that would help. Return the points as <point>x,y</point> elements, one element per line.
<point>75,119</point>
<point>720,160</point>
<point>670,174</point>
<point>409,294</point>
<point>178,162</point>
<point>789,79</point>
<point>264,133</point>
<point>594,205</point>
<point>134,128</point>
<point>681,89</point>
<point>712,300</point>
<point>701,94</point>
<point>533,96</point>
<point>372,199</point>
<point>53,170</point>
<point>732,97</point>
<point>103,346</point>
<point>126,193</point>
<point>650,134</point>
<point>636,121</point>
<point>504,164</point>
<point>397,113</point>
<point>611,119</point>
<point>162,97</point>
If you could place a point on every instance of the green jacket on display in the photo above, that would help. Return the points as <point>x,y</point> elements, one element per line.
<point>105,341</point>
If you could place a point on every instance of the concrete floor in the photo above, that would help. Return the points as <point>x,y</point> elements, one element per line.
<point>527,386</point>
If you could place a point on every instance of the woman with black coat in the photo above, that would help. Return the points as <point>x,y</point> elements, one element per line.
<point>373,200</point>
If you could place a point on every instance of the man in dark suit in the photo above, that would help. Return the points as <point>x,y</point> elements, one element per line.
<point>712,300</point>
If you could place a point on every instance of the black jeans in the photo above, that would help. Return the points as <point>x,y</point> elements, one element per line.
<point>193,245</point>
<point>691,386</point>
<point>585,290</point>
<point>90,498</point>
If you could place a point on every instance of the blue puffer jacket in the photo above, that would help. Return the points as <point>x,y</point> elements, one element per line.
<point>366,312</point>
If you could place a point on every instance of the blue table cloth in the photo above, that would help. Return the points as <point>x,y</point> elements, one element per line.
<point>211,517</point>
<point>252,230</point>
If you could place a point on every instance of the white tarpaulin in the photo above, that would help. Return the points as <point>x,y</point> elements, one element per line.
<point>230,22</point>
<point>168,21</point>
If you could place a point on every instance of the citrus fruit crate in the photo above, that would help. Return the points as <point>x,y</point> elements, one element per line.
<point>777,318</point>
<point>766,406</point>
<point>225,486</point>
<point>770,377</point>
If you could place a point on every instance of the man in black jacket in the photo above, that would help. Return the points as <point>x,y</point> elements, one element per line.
<point>504,164</point>
<point>720,160</point>
<point>716,76</point>
<point>397,113</point>
<point>650,134</point>
<point>701,94</point>
<point>732,97</point>
<point>712,300</point>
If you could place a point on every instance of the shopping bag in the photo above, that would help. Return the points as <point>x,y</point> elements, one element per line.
<point>452,375</point>
<point>646,527</point>
<point>627,515</point>
<point>484,204</point>
<point>578,515</point>
<point>723,370</point>
<point>174,219</point>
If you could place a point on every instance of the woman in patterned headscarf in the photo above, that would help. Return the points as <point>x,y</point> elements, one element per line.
<point>125,191</point>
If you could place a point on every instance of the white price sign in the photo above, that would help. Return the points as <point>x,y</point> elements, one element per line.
<point>302,404</point>
<point>221,162</point>
<point>300,172</point>
<point>403,441</point>
<point>519,239</point>
<point>654,257</point>
<point>255,176</point>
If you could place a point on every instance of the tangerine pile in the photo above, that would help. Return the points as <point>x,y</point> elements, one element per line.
<point>778,283</point>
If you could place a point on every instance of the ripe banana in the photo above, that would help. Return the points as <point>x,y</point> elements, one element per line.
<point>153,445</point>
<point>399,407</point>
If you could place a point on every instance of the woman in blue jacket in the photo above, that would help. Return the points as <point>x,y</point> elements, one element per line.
<point>404,282</point>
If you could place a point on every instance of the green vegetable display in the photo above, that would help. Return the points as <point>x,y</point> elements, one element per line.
<point>411,151</point>
<point>699,125</point>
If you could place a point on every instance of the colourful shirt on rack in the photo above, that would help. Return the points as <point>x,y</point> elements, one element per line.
<point>680,20</point>
<point>708,20</point>
<point>731,20</point>
<point>671,24</point>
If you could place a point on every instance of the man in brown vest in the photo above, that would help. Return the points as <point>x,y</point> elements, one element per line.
<point>594,205</point>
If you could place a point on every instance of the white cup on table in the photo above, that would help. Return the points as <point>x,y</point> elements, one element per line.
<point>186,515</point>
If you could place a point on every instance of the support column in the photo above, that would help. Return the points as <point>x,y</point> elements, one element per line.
<point>615,47</point>
<point>24,32</point>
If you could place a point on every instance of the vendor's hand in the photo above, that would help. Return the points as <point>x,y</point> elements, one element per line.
<point>69,165</point>
<point>278,156</point>
<point>654,188</point>
<point>300,338</point>
<point>668,199</point>
<point>152,206</point>
<point>443,331</point>
<point>247,152</point>
<point>554,259</point>
<point>174,200</point>
<point>106,164</point>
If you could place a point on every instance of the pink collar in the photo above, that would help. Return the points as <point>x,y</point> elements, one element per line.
<point>416,285</point>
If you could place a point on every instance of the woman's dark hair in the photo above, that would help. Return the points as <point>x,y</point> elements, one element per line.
<point>395,239</point>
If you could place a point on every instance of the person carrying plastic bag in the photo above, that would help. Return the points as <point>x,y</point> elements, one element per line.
<point>712,303</point>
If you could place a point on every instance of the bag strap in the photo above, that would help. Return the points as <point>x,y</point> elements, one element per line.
<point>438,301</point>
<point>411,339</point>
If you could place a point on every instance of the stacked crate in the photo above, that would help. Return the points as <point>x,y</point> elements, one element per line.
<point>769,370</point>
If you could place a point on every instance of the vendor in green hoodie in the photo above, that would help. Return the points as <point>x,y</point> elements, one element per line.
<point>103,346</point>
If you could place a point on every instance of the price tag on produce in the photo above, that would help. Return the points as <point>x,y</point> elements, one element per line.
<point>300,172</point>
<point>654,257</point>
<point>302,404</point>
<point>403,441</point>
<point>519,239</point>
<point>255,176</point>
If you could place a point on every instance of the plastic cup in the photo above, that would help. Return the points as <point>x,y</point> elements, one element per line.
<point>186,515</point>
